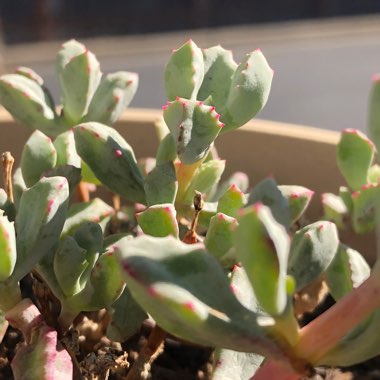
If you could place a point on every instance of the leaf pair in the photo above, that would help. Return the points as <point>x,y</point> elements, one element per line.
<point>238,92</point>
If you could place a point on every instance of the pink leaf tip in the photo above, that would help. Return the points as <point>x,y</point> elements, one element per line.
<point>221,216</point>
<point>376,77</point>
<point>189,306</point>
<point>233,288</point>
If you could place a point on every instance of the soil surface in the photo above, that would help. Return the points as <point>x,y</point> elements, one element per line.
<point>97,358</point>
<point>178,360</point>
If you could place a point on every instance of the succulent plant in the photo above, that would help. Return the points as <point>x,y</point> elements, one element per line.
<point>212,262</point>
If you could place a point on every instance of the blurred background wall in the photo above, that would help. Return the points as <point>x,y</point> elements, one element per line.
<point>323,52</point>
<point>33,20</point>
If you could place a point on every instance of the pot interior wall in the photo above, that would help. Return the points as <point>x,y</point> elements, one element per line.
<point>293,155</point>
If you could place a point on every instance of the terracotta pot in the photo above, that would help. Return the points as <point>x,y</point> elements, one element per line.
<point>292,154</point>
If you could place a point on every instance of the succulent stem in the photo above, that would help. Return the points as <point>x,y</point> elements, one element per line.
<point>191,235</point>
<point>83,192</point>
<point>185,173</point>
<point>148,354</point>
<point>8,161</point>
<point>198,206</point>
<point>322,334</point>
<point>116,202</point>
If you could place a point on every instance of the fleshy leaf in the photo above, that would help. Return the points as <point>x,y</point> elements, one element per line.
<point>374,174</point>
<point>89,236</point>
<point>7,206</point>
<point>262,245</point>
<point>95,210</point>
<point>234,365</point>
<point>334,209</point>
<point>346,272</point>
<point>18,186</point>
<point>71,173</point>
<point>346,195</point>
<point>193,126</point>
<point>111,159</point>
<point>159,220</point>
<point>103,288</point>
<point>66,152</point>
<point>69,264</point>
<point>219,67</point>
<point>44,358</point>
<point>146,165</point>
<point>364,203</point>
<point>208,211</point>
<point>239,179</point>
<point>219,237</point>
<point>76,256</point>
<point>38,156</point>
<point>298,197</point>
<point>374,112</point>
<point>113,95</point>
<point>28,103</point>
<point>88,175</point>
<point>126,317</point>
<point>354,157</point>
<point>3,325</point>
<point>79,75</point>
<point>249,91</point>
<point>184,72</point>
<point>232,201</point>
<point>8,254</point>
<point>204,179</point>
<point>29,73</point>
<point>176,283</point>
<point>39,222</point>
<point>312,250</point>
<point>268,193</point>
<point>166,150</point>
<point>161,184</point>
<point>106,281</point>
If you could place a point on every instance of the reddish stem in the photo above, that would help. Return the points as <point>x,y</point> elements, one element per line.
<point>324,332</point>
<point>191,235</point>
<point>185,173</point>
<point>83,192</point>
<point>8,162</point>
<point>148,354</point>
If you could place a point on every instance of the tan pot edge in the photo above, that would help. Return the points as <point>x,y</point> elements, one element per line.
<point>296,131</point>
